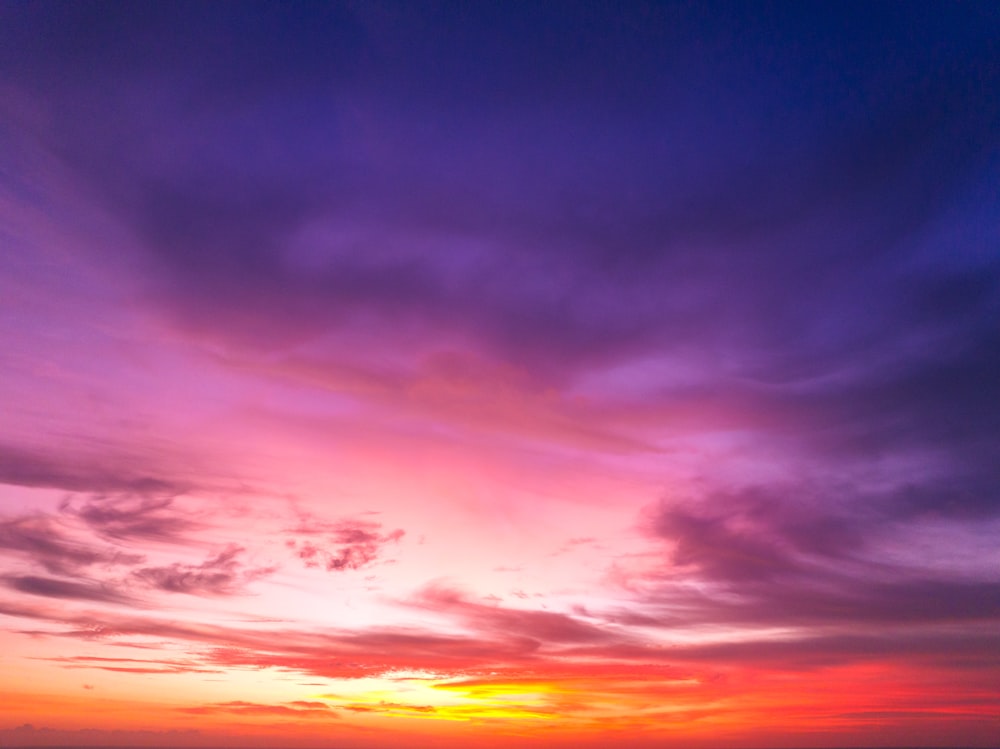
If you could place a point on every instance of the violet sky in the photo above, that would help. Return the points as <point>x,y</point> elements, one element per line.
<point>550,372</point>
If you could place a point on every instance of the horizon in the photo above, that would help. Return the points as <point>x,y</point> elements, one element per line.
<point>526,374</point>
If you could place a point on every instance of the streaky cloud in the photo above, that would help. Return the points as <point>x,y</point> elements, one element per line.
<point>222,574</point>
<point>69,589</point>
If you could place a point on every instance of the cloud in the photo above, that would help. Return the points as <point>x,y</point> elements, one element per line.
<point>219,575</point>
<point>492,621</point>
<point>297,709</point>
<point>774,259</point>
<point>529,253</point>
<point>132,665</point>
<point>68,589</point>
<point>582,657</point>
<point>598,247</point>
<point>780,557</point>
<point>462,388</point>
<point>30,735</point>
<point>134,517</point>
<point>762,532</point>
<point>43,540</point>
<point>79,473</point>
<point>383,706</point>
<point>346,544</point>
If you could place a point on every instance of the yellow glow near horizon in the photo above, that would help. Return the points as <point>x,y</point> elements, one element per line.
<point>441,698</point>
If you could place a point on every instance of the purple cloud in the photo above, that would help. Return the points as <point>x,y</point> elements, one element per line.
<point>68,589</point>
<point>768,558</point>
<point>134,517</point>
<point>112,473</point>
<point>746,254</point>
<point>41,539</point>
<point>219,575</point>
<point>346,544</point>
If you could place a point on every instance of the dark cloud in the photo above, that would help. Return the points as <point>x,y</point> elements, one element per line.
<point>85,43</point>
<point>599,245</point>
<point>762,534</point>
<point>220,575</point>
<point>944,648</point>
<point>770,558</point>
<point>79,472</point>
<point>69,589</point>
<point>134,517</point>
<point>935,398</point>
<point>43,540</point>
<point>816,227</point>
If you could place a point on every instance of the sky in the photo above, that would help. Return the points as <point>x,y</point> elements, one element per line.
<point>499,374</point>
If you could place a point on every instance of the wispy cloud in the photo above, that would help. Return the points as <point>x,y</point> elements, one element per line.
<point>493,621</point>
<point>132,665</point>
<point>134,517</point>
<point>220,575</point>
<point>775,557</point>
<point>70,589</point>
<point>42,540</point>
<point>296,708</point>
<point>109,473</point>
<point>342,545</point>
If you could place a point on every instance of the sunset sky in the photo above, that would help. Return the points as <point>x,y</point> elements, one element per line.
<point>499,374</point>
